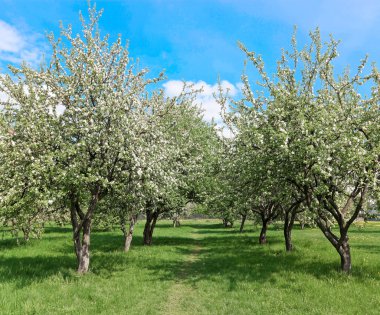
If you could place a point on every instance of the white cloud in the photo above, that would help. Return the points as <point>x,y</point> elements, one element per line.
<point>173,87</point>
<point>3,97</point>
<point>205,99</point>
<point>11,40</point>
<point>17,45</point>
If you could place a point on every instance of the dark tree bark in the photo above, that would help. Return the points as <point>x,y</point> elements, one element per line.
<point>243,218</point>
<point>267,213</point>
<point>75,211</point>
<point>288,226</point>
<point>289,218</point>
<point>345,255</point>
<point>340,242</point>
<point>81,223</point>
<point>151,219</point>
<point>84,251</point>
<point>263,232</point>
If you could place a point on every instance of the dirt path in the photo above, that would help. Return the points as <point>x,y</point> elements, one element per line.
<point>181,291</point>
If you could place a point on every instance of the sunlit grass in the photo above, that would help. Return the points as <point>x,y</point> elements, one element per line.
<point>205,268</point>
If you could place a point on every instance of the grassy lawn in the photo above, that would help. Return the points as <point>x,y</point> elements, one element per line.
<point>199,268</point>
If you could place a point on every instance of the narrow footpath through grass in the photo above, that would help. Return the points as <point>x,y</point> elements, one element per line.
<point>180,292</point>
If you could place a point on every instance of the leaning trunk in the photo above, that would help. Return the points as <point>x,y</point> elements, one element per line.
<point>129,235</point>
<point>243,218</point>
<point>263,233</point>
<point>340,244</point>
<point>151,219</point>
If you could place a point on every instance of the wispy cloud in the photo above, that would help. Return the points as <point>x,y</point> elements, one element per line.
<point>339,14</point>
<point>17,45</point>
<point>11,40</point>
<point>347,19</point>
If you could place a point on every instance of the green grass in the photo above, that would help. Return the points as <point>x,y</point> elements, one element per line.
<point>199,268</point>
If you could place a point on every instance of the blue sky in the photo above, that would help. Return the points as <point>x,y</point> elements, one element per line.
<point>196,40</point>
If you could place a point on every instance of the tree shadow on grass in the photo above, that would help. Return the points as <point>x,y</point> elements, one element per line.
<point>372,248</point>
<point>230,256</point>
<point>57,229</point>
<point>11,243</point>
<point>24,271</point>
<point>369,230</point>
<point>109,243</point>
<point>235,259</point>
<point>106,251</point>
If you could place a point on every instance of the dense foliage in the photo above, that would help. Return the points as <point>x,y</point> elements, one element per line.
<point>83,136</point>
<point>87,138</point>
<point>308,141</point>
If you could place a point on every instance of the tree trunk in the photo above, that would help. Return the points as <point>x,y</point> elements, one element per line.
<point>228,223</point>
<point>288,239</point>
<point>225,223</point>
<point>26,232</point>
<point>147,240</point>
<point>340,244</point>
<point>288,227</point>
<point>345,255</point>
<point>243,218</point>
<point>176,222</point>
<point>129,235</point>
<point>84,250</point>
<point>151,219</point>
<point>81,223</point>
<point>77,246</point>
<point>263,233</point>
<point>74,213</point>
